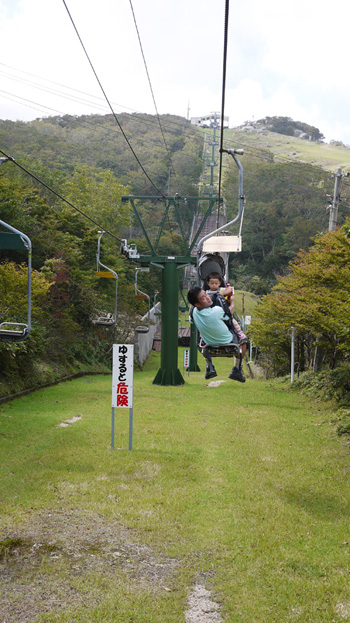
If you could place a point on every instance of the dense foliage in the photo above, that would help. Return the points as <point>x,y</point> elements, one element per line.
<point>66,294</point>
<point>314,298</point>
<point>87,161</point>
<point>286,125</point>
<point>171,157</point>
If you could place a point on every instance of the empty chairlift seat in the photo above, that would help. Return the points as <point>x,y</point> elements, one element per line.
<point>13,239</point>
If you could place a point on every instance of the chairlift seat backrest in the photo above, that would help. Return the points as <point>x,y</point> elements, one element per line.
<point>8,240</point>
<point>210,263</point>
<point>223,244</point>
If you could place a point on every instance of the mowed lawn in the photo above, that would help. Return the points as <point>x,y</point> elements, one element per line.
<point>241,488</point>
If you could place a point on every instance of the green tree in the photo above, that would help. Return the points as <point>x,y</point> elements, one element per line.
<point>314,298</point>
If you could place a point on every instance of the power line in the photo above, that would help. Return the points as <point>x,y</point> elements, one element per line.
<point>58,195</point>
<point>24,99</point>
<point>109,104</point>
<point>165,122</point>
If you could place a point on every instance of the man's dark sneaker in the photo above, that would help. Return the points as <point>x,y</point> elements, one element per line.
<point>236,375</point>
<point>210,372</point>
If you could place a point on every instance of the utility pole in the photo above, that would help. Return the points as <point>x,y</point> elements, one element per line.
<point>333,213</point>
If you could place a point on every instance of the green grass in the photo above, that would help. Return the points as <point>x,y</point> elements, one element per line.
<point>325,155</point>
<point>242,485</point>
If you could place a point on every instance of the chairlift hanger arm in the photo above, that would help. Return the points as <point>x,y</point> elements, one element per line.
<point>143,328</point>
<point>233,153</point>
<point>99,263</point>
<point>137,289</point>
<point>111,319</point>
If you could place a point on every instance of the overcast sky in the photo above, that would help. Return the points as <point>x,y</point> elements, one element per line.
<point>284,58</point>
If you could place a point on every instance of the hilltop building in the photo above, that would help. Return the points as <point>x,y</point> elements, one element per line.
<point>209,121</point>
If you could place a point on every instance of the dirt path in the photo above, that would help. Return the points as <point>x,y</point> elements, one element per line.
<point>202,608</point>
<point>41,563</point>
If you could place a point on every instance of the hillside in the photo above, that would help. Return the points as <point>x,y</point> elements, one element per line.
<point>328,156</point>
<point>170,155</point>
<point>287,180</point>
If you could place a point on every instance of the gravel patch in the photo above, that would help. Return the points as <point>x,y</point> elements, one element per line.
<point>201,607</point>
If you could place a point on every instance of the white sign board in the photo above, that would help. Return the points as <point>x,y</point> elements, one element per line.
<point>248,319</point>
<point>186,358</point>
<point>123,375</point>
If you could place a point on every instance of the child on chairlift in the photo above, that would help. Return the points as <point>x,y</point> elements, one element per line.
<point>213,287</point>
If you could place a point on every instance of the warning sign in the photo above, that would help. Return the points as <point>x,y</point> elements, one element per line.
<point>123,375</point>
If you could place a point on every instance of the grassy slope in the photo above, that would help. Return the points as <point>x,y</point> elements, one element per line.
<point>326,156</point>
<point>240,484</point>
<point>248,299</point>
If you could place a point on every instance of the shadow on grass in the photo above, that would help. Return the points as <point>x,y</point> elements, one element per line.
<point>324,506</point>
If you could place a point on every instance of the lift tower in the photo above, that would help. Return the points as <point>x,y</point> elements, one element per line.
<point>168,373</point>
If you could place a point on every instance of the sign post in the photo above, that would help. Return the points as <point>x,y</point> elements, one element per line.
<point>123,384</point>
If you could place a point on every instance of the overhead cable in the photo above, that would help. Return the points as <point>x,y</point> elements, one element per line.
<point>165,122</point>
<point>150,84</point>
<point>109,104</point>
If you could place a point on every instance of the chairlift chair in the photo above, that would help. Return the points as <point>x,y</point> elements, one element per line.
<point>14,239</point>
<point>227,350</point>
<point>210,259</point>
<point>142,295</point>
<point>108,320</point>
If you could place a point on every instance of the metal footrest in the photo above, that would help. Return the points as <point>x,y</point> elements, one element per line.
<point>227,350</point>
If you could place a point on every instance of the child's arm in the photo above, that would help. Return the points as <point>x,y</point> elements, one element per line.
<point>226,291</point>
<point>232,305</point>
